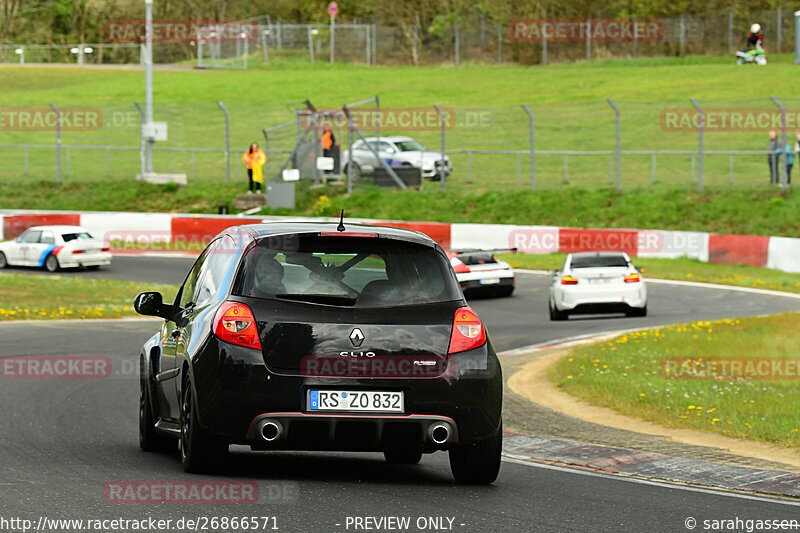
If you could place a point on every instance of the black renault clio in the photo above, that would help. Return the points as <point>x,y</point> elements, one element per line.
<point>310,336</point>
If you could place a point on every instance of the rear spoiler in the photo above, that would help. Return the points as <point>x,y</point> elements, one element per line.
<point>491,251</point>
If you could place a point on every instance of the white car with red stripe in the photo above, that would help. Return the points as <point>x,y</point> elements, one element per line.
<point>54,247</point>
<point>479,271</point>
<point>597,282</point>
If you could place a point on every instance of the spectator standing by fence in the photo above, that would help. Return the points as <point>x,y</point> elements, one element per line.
<point>255,159</point>
<point>772,157</point>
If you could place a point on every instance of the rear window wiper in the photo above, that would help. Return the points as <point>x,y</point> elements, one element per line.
<point>329,299</point>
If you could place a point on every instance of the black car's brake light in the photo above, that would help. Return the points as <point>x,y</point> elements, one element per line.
<point>468,331</point>
<point>235,323</point>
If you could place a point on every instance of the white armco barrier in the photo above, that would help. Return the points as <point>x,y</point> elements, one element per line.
<point>129,226</point>
<point>784,254</point>
<point>529,239</point>
<point>673,244</point>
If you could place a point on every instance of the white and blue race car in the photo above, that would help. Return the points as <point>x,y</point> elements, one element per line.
<point>54,247</point>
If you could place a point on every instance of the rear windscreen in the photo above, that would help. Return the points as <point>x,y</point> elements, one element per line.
<point>598,261</point>
<point>477,258</point>
<point>347,271</point>
<point>72,236</point>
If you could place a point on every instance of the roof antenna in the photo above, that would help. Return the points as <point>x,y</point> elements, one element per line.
<point>340,227</point>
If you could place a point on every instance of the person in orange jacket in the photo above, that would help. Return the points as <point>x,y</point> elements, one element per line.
<point>255,159</point>
<point>328,140</point>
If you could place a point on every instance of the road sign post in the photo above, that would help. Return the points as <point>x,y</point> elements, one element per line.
<point>333,9</point>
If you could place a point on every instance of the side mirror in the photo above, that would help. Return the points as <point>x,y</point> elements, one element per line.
<point>151,304</point>
<point>552,273</point>
<point>18,239</point>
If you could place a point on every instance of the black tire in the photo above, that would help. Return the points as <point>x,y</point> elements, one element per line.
<point>478,463</point>
<point>555,314</point>
<point>636,311</point>
<point>51,263</point>
<point>402,456</point>
<point>201,452</point>
<point>93,267</point>
<point>504,292</point>
<point>3,260</point>
<point>355,170</point>
<point>149,439</point>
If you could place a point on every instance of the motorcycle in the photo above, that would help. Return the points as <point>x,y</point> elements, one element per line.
<point>756,55</point>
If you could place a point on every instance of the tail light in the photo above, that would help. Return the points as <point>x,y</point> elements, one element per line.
<point>459,266</point>
<point>106,249</point>
<point>468,331</point>
<point>76,252</point>
<point>633,278</point>
<point>569,280</point>
<point>235,323</point>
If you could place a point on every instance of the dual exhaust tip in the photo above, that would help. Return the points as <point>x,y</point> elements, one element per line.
<point>271,430</point>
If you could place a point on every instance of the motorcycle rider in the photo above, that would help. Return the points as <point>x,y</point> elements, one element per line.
<point>755,39</point>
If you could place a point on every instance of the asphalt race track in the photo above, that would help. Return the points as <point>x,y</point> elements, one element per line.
<point>63,441</point>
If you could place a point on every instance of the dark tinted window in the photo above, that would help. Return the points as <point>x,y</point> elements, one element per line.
<point>72,236</point>
<point>189,289</point>
<point>347,271</point>
<point>214,271</point>
<point>595,261</point>
<point>477,258</point>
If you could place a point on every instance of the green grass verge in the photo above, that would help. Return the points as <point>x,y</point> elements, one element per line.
<point>735,211</point>
<point>27,297</point>
<point>568,100</point>
<point>628,374</point>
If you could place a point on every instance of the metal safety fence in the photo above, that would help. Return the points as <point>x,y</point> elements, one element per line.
<point>692,142</point>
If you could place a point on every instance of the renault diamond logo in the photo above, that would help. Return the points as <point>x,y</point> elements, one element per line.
<point>356,337</point>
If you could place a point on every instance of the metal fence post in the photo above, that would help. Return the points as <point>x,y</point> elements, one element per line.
<point>500,44</point>
<point>619,142</point>
<point>533,145</point>
<point>457,46</point>
<point>375,44</point>
<point>781,160</point>
<point>683,34</point>
<point>544,49</point>
<point>227,142</point>
<point>141,140</point>
<point>589,41</point>
<point>58,142</point>
<point>780,31</point>
<point>797,37</point>
<point>566,169</point>
<point>378,122</point>
<point>653,175</point>
<point>349,151</point>
<point>730,165</point>
<point>469,166</point>
<point>700,127</point>
<point>108,161</point>
<point>730,32</point>
<point>26,160</point>
<point>441,163</point>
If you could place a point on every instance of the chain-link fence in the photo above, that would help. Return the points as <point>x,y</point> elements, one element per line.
<point>452,40</point>
<point>487,148</point>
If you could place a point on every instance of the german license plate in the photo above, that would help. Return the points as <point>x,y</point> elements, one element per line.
<point>355,401</point>
<point>597,281</point>
<point>489,281</point>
